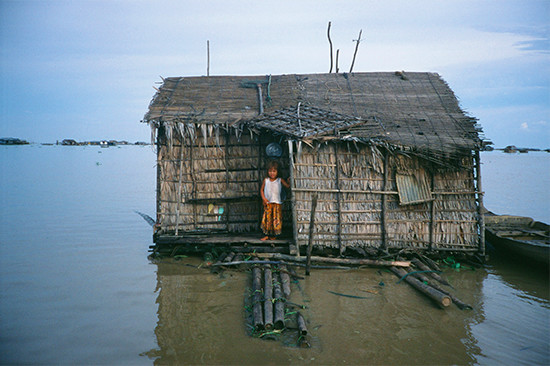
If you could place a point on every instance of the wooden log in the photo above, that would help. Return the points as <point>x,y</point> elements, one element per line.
<point>257,315</point>
<point>255,262</point>
<point>290,273</point>
<point>285,280</point>
<point>424,267</point>
<point>301,324</point>
<point>311,227</point>
<point>258,249</point>
<point>268,297</point>
<point>438,297</point>
<point>348,261</point>
<point>215,268</point>
<point>279,305</point>
<point>431,263</point>
<point>252,262</point>
<point>229,257</point>
<point>459,303</point>
<point>238,257</point>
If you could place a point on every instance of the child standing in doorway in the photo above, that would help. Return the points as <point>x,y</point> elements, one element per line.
<point>272,222</point>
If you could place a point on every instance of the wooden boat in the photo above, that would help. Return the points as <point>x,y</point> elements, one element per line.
<point>519,235</point>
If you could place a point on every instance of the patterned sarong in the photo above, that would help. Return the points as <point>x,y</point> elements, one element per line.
<point>272,222</point>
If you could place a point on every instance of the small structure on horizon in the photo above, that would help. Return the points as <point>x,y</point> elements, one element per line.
<point>392,157</point>
<point>13,141</point>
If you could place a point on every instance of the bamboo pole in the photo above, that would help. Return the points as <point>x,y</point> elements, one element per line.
<point>384,207</point>
<point>268,297</point>
<point>285,280</point>
<point>432,213</point>
<point>208,58</point>
<point>319,190</point>
<point>301,324</point>
<point>179,189</point>
<point>260,173</point>
<point>438,297</point>
<point>257,315</point>
<point>378,192</point>
<point>279,305</point>
<point>311,228</point>
<point>293,196</point>
<point>260,98</point>
<point>480,205</point>
<point>330,43</point>
<point>194,186</point>
<point>355,53</point>
<point>229,257</point>
<point>348,261</point>
<point>338,203</point>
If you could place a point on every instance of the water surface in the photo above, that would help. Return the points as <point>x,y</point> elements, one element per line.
<point>77,287</point>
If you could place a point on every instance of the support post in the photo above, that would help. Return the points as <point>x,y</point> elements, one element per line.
<point>432,213</point>
<point>480,208</point>
<point>311,231</point>
<point>208,58</point>
<point>226,156</point>
<point>293,196</point>
<point>338,201</point>
<point>194,187</point>
<point>384,203</point>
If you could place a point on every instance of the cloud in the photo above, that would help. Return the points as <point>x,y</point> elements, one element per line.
<point>524,126</point>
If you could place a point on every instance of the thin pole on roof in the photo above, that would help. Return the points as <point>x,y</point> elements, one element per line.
<point>330,43</point>
<point>207,57</point>
<point>356,48</point>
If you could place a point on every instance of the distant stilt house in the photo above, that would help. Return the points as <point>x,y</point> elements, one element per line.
<point>391,157</point>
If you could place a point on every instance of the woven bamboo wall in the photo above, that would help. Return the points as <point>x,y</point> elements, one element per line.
<point>217,170</point>
<point>358,206</point>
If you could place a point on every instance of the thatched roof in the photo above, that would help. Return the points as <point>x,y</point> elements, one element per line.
<point>415,111</point>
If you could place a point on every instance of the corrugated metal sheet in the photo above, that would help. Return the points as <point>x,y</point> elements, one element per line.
<point>413,188</point>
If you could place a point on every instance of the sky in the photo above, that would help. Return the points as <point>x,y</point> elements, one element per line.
<point>85,69</point>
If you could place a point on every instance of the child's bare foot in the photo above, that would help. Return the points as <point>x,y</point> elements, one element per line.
<point>272,238</point>
<point>265,238</point>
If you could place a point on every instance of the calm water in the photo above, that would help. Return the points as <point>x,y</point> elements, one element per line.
<point>77,287</point>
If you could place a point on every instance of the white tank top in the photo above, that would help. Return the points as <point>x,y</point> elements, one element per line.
<point>272,190</point>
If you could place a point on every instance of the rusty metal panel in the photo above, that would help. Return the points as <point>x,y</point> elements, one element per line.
<point>413,188</point>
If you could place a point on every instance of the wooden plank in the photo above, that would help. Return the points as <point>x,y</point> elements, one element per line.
<point>218,239</point>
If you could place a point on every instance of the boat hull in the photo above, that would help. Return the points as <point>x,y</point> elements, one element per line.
<point>521,236</point>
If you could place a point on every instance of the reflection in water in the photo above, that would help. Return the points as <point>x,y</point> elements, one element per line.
<point>201,319</point>
<point>517,326</point>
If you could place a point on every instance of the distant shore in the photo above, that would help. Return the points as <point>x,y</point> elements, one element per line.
<point>71,142</point>
<point>510,149</point>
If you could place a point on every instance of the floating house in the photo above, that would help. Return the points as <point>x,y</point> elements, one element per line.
<point>390,159</point>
